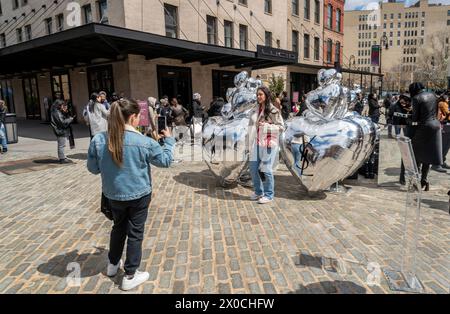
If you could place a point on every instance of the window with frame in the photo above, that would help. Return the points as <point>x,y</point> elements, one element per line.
<point>243,37</point>
<point>295,7</point>
<point>316,48</point>
<point>338,20</point>
<point>87,14</point>
<point>306,8</point>
<point>60,22</point>
<point>244,2</point>
<point>228,32</point>
<point>306,46</point>
<point>317,11</point>
<point>15,4</point>
<point>268,39</point>
<point>1,12</point>
<point>268,6</point>
<point>28,34</point>
<point>329,50</point>
<point>2,40</point>
<point>337,53</point>
<point>103,11</point>
<point>330,16</point>
<point>49,25</point>
<point>295,41</point>
<point>19,35</point>
<point>171,20</point>
<point>211,29</point>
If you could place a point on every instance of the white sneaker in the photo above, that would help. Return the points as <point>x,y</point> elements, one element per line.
<point>264,200</point>
<point>112,270</point>
<point>138,278</point>
<point>255,197</point>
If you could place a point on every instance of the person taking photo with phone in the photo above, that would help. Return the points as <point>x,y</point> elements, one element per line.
<point>123,156</point>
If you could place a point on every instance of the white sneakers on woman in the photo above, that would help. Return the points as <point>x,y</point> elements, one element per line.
<point>112,270</point>
<point>138,278</point>
<point>264,200</point>
<point>128,282</point>
<point>260,198</point>
<point>255,197</point>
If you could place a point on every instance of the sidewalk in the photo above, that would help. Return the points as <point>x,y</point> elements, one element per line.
<point>201,238</point>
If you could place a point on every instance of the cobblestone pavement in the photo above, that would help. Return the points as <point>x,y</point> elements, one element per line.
<point>201,238</point>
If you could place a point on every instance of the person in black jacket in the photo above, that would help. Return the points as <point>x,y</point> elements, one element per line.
<point>359,105</point>
<point>216,107</point>
<point>285,106</point>
<point>427,137</point>
<point>3,139</point>
<point>374,108</point>
<point>60,123</point>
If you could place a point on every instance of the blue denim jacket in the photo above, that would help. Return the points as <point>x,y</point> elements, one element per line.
<point>133,180</point>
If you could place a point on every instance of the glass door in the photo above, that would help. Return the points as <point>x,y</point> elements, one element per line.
<point>31,98</point>
<point>6,94</point>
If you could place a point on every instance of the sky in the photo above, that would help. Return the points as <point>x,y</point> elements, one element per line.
<point>360,4</point>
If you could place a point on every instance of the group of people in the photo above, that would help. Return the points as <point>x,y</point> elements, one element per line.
<point>425,118</point>
<point>3,135</point>
<point>123,156</point>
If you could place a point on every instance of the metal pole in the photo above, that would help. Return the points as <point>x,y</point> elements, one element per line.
<point>371,76</point>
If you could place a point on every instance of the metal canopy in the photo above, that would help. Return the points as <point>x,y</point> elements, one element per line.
<point>81,45</point>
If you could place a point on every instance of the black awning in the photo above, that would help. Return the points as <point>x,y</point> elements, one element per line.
<point>83,44</point>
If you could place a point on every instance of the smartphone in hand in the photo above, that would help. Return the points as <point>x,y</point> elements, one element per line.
<point>162,124</point>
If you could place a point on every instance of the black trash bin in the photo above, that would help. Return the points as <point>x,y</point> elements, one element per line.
<point>11,128</point>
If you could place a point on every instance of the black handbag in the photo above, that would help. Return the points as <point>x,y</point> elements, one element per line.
<point>105,207</point>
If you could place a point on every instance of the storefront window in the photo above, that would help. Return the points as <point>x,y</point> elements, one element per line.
<point>101,79</point>
<point>222,80</point>
<point>7,94</point>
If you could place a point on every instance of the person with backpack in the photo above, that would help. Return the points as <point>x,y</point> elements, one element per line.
<point>123,156</point>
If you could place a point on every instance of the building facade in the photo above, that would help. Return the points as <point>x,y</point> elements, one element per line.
<point>230,24</point>
<point>333,32</point>
<point>400,32</point>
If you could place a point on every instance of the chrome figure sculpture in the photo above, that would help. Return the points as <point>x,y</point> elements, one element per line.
<point>325,145</point>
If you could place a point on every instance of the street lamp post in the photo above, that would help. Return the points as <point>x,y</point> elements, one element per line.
<point>383,41</point>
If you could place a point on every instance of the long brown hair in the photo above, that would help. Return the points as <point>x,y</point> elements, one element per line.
<point>267,107</point>
<point>120,112</point>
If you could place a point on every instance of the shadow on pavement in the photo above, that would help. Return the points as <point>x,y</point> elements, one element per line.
<point>80,156</point>
<point>90,264</point>
<point>441,205</point>
<point>46,161</point>
<point>286,187</point>
<point>330,287</point>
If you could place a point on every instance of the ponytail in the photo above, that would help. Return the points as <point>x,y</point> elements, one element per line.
<point>120,112</point>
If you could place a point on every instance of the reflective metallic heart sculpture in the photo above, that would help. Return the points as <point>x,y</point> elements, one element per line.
<point>328,143</point>
<point>224,147</point>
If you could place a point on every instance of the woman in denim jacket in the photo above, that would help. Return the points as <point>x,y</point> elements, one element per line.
<point>123,156</point>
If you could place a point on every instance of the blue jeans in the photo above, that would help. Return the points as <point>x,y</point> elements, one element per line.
<point>261,170</point>
<point>3,139</point>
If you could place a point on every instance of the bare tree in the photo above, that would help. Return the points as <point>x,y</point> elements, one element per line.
<point>432,61</point>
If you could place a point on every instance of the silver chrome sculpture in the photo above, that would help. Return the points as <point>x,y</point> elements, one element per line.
<point>324,146</point>
<point>224,148</point>
<point>328,143</point>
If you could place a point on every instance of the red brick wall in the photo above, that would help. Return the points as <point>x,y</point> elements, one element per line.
<point>332,34</point>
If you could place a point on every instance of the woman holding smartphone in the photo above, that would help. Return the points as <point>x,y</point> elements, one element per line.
<point>123,156</point>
